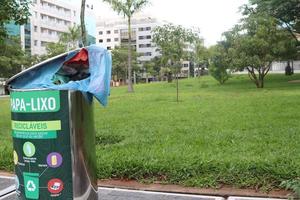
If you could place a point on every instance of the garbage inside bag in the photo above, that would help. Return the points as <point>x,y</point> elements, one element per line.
<point>75,69</point>
<point>87,70</point>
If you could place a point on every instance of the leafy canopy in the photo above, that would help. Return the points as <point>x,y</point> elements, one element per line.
<point>120,64</point>
<point>127,7</point>
<point>286,11</point>
<point>256,43</point>
<point>219,65</point>
<point>13,10</point>
<point>173,41</point>
<point>12,57</point>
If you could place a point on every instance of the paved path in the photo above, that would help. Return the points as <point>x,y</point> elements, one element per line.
<point>7,187</point>
<point>7,193</point>
<point>120,194</point>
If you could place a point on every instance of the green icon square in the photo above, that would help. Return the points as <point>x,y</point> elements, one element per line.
<point>31,185</point>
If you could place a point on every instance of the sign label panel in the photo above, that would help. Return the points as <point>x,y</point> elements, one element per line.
<point>35,101</point>
<point>42,150</point>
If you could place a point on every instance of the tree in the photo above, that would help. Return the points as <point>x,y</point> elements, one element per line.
<point>201,56</point>
<point>149,69</point>
<point>120,64</point>
<point>172,42</point>
<point>13,10</point>
<point>12,57</point>
<point>82,24</point>
<point>54,49</point>
<point>67,41</point>
<point>219,63</point>
<point>71,38</point>
<point>285,11</point>
<point>256,43</point>
<point>127,8</point>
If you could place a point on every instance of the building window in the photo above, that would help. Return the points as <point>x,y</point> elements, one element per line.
<point>116,39</point>
<point>144,45</point>
<point>35,28</point>
<point>43,30</point>
<point>116,31</point>
<point>141,29</point>
<point>148,28</point>
<point>108,40</point>
<point>148,54</point>
<point>108,32</point>
<point>100,32</point>
<point>143,37</point>
<point>67,23</point>
<point>108,48</point>
<point>100,41</point>
<point>35,42</point>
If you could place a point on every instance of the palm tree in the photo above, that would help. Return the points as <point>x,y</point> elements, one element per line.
<point>82,23</point>
<point>127,8</point>
<point>71,38</point>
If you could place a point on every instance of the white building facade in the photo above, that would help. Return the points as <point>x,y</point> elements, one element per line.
<point>114,32</point>
<point>49,18</point>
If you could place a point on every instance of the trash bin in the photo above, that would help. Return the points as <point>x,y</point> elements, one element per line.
<point>53,131</point>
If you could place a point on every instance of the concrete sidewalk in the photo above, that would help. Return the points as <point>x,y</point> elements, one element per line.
<point>7,192</point>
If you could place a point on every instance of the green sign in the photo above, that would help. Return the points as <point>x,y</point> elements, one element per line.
<point>35,101</point>
<point>31,184</point>
<point>42,150</point>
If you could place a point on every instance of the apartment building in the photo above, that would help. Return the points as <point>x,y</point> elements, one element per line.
<point>49,18</point>
<point>114,32</point>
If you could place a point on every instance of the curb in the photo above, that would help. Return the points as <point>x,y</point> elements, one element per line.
<point>222,192</point>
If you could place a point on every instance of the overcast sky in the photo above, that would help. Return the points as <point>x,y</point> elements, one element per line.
<point>213,17</point>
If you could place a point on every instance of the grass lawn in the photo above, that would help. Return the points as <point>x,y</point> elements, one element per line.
<point>233,134</point>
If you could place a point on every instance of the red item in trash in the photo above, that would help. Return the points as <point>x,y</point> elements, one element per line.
<point>81,58</point>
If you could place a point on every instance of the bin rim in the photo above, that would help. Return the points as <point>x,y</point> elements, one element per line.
<point>38,65</point>
<point>36,89</point>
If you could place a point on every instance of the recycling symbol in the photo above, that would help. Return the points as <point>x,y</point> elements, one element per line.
<point>30,186</point>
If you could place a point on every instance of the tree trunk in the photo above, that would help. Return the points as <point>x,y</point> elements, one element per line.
<point>177,87</point>
<point>82,23</point>
<point>147,81</point>
<point>134,77</point>
<point>253,77</point>
<point>261,81</point>
<point>169,77</point>
<point>130,87</point>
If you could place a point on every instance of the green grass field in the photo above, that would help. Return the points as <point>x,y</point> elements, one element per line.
<point>216,135</point>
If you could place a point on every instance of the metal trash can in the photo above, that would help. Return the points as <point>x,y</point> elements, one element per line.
<point>54,145</point>
<point>53,138</point>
